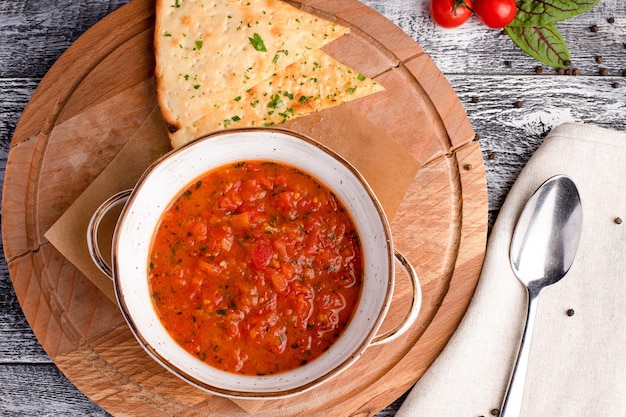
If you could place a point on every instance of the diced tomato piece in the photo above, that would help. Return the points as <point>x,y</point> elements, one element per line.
<point>252,190</point>
<point>285,200</point>
<point>281,180</point>
<point>281,248</point>
<point>303,304</point>
<point>288,270</point>
<point>215,241</point>
<point>200,231</point>
<point>210,268</point>
<point>230,201</point>
<point>267,183</point>
<point>261,256</point>
<point>278,281</point>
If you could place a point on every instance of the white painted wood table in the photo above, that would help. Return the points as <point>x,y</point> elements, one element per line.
<point>511,106</point>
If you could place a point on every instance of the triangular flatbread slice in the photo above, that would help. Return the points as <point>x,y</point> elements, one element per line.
<point>316,82</point>
<point>209,51</point>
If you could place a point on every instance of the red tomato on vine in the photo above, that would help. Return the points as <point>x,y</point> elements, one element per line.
<point>450,13</point>
<point>495,13</point>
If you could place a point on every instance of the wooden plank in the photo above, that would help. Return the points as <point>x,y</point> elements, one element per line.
<point>472,49</point>
<point>475,49</point>
<point>35,34</point>
<point>36,389</point>
<point>509,134</point>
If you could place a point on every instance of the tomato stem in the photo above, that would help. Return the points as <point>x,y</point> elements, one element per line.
<point>462,3</point>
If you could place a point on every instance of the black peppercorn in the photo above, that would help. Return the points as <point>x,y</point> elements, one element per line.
<point>539,69</point>
<point>599,59</point>
<point>604,71</point>
<point>495,412</point>
<point>611,20</point>
<point>560,71</point>
<point>618,220</point>
<point>615,85</point>
<point>570,312</point>
<point>518,104</point>
<point>474,99</point>
<point>575,71</point>
<point>594,28</point>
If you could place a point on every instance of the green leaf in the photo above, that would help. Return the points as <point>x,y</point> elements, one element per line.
<point>532,13</point>
<point>276,102</point>
<point>257,43</point>
<point>544,43</point>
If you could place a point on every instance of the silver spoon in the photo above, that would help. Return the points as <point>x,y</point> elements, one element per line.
<point>542,250</point>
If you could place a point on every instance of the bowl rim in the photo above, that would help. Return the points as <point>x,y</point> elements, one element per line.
<point>276,393</point>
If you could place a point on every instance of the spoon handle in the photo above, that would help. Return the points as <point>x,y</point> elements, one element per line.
<point>512,405</point>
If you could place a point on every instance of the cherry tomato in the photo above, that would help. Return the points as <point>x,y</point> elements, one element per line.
<point>450,13</point>
<point>495,13</point>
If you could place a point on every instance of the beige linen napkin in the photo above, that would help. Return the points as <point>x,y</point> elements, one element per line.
<point>577,361</point>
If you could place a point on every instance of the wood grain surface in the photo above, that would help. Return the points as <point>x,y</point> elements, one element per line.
<point>86,109</point>
<point>486,70</point>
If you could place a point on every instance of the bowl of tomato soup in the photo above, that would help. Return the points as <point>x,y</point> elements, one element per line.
<point>254,263</point>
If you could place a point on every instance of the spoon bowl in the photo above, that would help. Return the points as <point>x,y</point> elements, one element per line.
<point>542,251</point>
<point>547,233</point>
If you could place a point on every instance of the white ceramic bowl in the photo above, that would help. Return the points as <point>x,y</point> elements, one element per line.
<point>163,181</point>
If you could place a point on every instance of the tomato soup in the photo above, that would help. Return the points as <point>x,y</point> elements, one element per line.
<point>255,268</point>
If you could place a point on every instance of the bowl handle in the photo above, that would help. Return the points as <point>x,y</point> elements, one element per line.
<point>94,226</point>
<point>414,310</point>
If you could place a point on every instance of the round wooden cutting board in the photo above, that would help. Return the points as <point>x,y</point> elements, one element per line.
<point>100,92</point>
